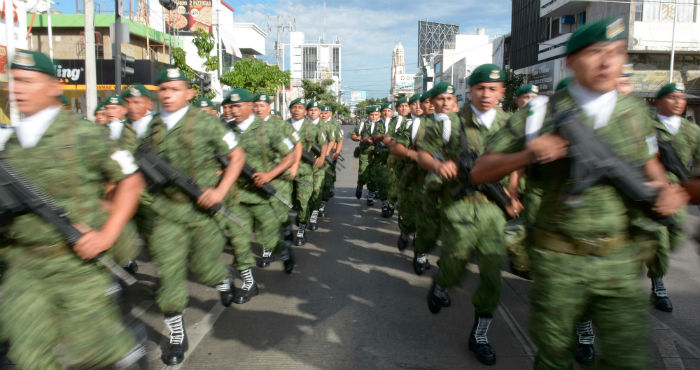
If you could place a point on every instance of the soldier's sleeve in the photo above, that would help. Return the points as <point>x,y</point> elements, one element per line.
<point>279,139</point>
<point>320,137</point>
<point>356,130</point>
<point>223,139</point>
<point>403,137</point>
<point>381,127</point>
<point>103,155</point>
<point>648,132</point>
<point>431,141</point>
<point>510,138</point>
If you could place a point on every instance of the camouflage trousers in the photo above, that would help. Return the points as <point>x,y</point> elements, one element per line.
<point>177,246</point>
<point>427,220</point>
<point>127,246</point>
<point>264,220</point>
<point>57,313</point>
<point>363,173</point>
<point>301,193</point>
<point>315,201</point>
<point>379,177</point>
<point>473,224</point>
<point>393,178</point>
<point>328,182</point>
<point>605,288</point>
<point>410,197</point>
<point>669,238</point>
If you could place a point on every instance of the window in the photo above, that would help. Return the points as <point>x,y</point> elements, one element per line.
<point>638,11</point>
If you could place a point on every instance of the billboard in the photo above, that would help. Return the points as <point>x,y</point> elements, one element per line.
<point>189,16</point>
<point>404,81</point>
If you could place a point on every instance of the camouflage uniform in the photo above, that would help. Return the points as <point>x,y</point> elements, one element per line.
<point>363,151</point>
<point>335,133</point>
<point>604,284</point>
<point>426,216</point>
<point>265,146</point>
<point>318,174</point>
<point>379,174</point>
<point>393,164</point>
<point>184,235</point>
<point>472,223</point>
<point>55,308</point>
<point>308,134</point>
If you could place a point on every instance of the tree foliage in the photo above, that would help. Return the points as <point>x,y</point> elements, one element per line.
<point>180,61</point>
<point>319,91</point>
<point>361,107</point>
<point>512,83</point>
<point>205,43</point>
<point>256,76</point>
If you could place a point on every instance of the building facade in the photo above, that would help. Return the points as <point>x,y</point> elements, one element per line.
<point>401,82</point>
<point>315,61</point>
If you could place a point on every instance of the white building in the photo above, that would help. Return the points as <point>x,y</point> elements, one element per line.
<point>401,82</point>
<point>456,64</point>
<point>649,26</point>
<point>315,61</point>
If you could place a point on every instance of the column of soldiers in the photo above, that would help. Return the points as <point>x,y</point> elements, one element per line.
<point>191,182</point>
<point>489,184</point>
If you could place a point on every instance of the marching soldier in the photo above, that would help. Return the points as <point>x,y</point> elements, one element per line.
<point>308,134</point>
<point>54,308</point>
<point>394,165</point>
<point>378,159</point>
<point>186,236</point>
<point>526,93</point>
<point>593,232</point>
<point>115,110</point>
<point>335,141</point>
<point>362,152</point>
<point>313,110</point>
<point>101,115</point>
<point>471,222</point>
<point>684,137</point>
<point>207,106</point>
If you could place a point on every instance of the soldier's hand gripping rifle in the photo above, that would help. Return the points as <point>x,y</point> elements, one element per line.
<point>670,160</point>
<point>592,161</point>
<point>248,171</point>
<point>310,158</point>
<point>316,150</point>
<point>19,196</point>
<point>160,173</point>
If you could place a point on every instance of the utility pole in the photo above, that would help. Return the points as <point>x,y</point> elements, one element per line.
<point>90,68</point>
<point>278,49</point>
<point>117,54</point>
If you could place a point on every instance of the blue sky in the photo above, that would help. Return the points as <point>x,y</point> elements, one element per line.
<point>368,30</point>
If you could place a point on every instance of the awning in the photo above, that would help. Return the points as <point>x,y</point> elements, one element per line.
<point>230,44</point>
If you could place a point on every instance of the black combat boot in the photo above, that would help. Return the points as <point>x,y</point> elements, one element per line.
<point>225,288</point>
<point>288,258</point>
<point>386,212</point>
<point>438,298</point>
<point>370,198</point>
<point>403,241</point>
<point>659,295</point>
<point>301,235</point>
<point>479,342</point>
<point>420,263</point>
<point>585,352</point>
<point>358,192</point>
<point>313,220</point>
<point>266,258</point>
<point>249,288</point>
<point>332,193</point>
<point>175,352</point>
<point>322,209</point>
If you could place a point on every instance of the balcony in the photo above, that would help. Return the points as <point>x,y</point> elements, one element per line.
<point>557,8</point>
<point>553,47</point>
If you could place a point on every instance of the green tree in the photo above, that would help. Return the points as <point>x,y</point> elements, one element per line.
<point>205,44</point>
<point>361,107</point>
<point>256,76</point>
<point>319,91</point>
<point>512,83</point>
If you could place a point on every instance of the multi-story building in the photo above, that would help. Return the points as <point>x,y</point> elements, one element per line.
<point>401,82</point>
<point>501,51</point>
<point>650,37</point>
<point>315,61</point>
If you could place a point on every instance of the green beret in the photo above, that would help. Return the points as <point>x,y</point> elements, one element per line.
<point>33,61</point>
<point>426,95</point>
<point>171,74</point>
<point>276,113</point>
<point>386,106</point>
<point>238,95</point>
<point>486,73</point>
<point>443,88</point>
<point>413,98</point>
<point>262,97</point>
<point>373,108</point>
<point>203,103</point>
<point>402,100</point>
<point>136,91</point>
<point>326,108</point>
<point>113,100</point>
<point>63,99</point>
<point>99,108</point>
<point>298,101</point>
<point>527,88</point>
<point>605,30</point>
<point>312,104</point>
<point>670,88</point>
<point>564,83</point>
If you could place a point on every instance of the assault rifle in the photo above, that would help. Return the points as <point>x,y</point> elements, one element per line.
<point>592,162</point>
<point>316,150</point>
<point>310,158</point>
<point>160,173</point>
<point>248,171</point>
<point>19,196</point>
<point>669,158</point>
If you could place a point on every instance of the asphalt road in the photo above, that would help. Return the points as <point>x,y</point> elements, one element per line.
<point>353,302</point>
